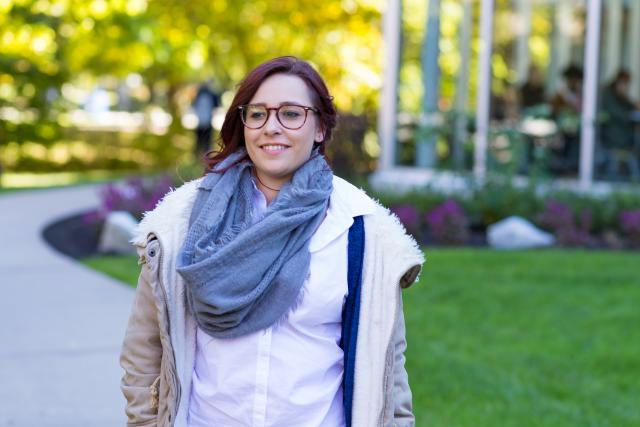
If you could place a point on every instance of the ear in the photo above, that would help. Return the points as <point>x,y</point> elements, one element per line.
<point>319,136</point>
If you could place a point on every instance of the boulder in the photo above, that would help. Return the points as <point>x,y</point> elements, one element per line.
<point>516,232</point>
<point>117,231</point>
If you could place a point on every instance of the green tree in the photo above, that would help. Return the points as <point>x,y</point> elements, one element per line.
<point>50,46</point>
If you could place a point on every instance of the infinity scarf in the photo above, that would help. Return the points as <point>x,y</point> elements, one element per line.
<point>241,278</point>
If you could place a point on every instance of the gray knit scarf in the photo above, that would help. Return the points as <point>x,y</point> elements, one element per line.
<point>241,278</point>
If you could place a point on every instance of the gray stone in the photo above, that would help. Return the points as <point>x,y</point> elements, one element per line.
<point>516,232</point>
<point>117,231</point>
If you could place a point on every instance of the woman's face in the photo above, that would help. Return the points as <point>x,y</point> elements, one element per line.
<point>277,152</point>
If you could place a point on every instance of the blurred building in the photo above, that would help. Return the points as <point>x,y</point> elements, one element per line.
<point>585,44</point>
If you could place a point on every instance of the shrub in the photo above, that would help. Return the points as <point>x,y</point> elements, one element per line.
<point>630,225</point>
<point>448,223</point>
<point>422,200</point>
<point>577,219</point>
<point>135,195</point>
<point>570,229</point>
<point>409,216</point>
<point>498,199</point>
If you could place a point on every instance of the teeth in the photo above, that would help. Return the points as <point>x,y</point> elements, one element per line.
<point>274,147</point>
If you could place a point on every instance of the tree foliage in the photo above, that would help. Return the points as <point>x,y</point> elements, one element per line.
<point>46,43</point>
<point>49,48</point>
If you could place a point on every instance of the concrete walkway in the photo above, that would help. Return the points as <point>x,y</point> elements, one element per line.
<point>61,324</point>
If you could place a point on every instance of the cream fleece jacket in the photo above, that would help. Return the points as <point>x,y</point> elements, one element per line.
<point>159,347</point>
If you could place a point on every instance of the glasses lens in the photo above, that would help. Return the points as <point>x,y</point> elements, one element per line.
<point>254,116</point>
<point>291,116</point>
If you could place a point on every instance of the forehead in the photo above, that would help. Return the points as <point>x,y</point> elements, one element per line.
<point>282,88</point>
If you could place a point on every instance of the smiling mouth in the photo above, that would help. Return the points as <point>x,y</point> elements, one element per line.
<point>273,148</point>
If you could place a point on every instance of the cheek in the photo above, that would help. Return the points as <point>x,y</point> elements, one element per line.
<point>249,144</point>
<point>305,142</point>
<point>314,134</point>
<point>250,138</point>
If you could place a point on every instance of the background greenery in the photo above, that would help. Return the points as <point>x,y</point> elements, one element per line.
<point>55,52</point>
<point>535,338</point>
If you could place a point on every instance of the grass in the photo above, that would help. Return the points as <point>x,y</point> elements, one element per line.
<point>19,181</point>
<point>543,338</point>
<point>121,267</point>
<point>548,338</point>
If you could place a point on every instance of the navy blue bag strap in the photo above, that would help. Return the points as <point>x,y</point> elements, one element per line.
<point>351,311</point>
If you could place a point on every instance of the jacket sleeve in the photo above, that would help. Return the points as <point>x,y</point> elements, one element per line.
<point>403,409</point>
<point>141,353</point>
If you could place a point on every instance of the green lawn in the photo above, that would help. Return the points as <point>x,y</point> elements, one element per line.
<point>122,267</point>
<point>549,338</point>
<point>497,339</point>
<point>19,181</point>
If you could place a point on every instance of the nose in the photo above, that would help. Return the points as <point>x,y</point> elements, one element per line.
<point>273,125</point>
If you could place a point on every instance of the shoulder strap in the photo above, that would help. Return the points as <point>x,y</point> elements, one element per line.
<point>351,311</point>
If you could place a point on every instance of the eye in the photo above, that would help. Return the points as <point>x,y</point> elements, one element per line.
<point>290,113</point>
<point>256,114</point>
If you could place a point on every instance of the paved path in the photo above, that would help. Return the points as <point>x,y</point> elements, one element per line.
<point>61,324</point>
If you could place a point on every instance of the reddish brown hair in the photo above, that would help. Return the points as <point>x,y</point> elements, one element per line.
<point>232,132</point>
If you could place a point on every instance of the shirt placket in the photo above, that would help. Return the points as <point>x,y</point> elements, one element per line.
<point>262,379</point>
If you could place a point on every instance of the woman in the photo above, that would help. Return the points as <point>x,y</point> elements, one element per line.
<point>270,289</point>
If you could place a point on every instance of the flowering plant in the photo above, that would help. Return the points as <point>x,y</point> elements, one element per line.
<point>448,223</point>
<point>630,225</point>
<point>135,195</point>
<point>408,216</point>
<point>570,229</point>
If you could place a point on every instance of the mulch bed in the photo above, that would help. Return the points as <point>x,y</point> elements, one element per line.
<point>73,236</point>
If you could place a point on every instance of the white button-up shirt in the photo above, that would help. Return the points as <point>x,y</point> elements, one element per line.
<point>289,374</point>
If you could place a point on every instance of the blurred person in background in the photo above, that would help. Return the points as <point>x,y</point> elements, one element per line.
<point>270,290</point>
<point>620,117</point>
<point>531,104</point>
<point>531,93</point>
<point>618,111</point>
<point>205,101</point>
<point>566,107</point>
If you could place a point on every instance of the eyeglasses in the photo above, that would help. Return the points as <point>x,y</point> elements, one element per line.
<point>290,116</point>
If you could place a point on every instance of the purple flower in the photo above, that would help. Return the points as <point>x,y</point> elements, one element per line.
<point>630,221</point>
<point>570,229</point>
<point>407,214</point>
<point>134,195</point>
<point>448,223</point>
<point>630,225</point>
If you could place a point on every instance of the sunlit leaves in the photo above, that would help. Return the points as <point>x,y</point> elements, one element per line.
<point>170,44</point>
